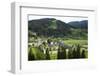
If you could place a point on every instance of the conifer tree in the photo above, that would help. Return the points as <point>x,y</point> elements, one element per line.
<point>78,51</point>
<point>83,55</point>
<point>61,53</point>
<point>47,54</point>
<point>31,55</point>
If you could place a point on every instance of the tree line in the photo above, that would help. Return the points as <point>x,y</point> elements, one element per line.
<point>75,52</point>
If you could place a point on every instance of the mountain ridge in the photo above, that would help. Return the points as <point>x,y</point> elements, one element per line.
<point>57,28</point>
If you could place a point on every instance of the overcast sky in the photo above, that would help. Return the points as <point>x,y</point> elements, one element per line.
<point>65,19</point>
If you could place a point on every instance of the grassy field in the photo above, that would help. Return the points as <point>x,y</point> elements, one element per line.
<point>73,41</point>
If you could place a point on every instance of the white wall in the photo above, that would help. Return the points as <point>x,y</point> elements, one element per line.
<point>5,32</point>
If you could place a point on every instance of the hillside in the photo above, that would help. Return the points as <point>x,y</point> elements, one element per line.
<point>48,27</point>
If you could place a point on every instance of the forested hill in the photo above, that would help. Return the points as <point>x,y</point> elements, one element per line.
<point>52,27</point>
<point>79,24</point>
